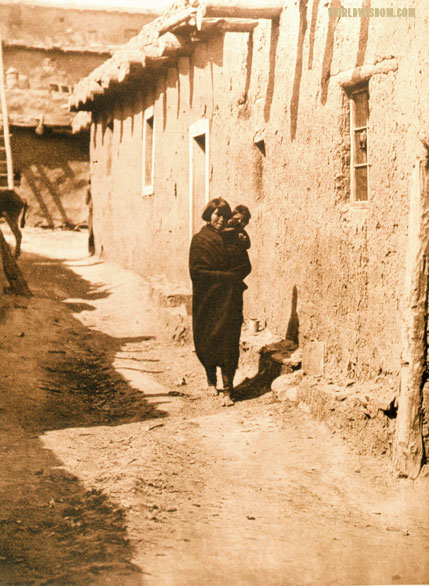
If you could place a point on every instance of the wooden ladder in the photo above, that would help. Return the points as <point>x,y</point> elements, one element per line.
<point>6,164</point>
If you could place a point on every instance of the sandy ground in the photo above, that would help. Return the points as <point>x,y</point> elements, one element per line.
<point>117,469</point>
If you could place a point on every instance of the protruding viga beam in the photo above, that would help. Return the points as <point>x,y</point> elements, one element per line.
<point>133,57</point>
<point>94,89</point>
<point>120,66</point>
<point>236,25</point>
<point>175,20</point>
<point>354,76</point>
<point>130,63</point>
<point>241,9</point>
<point>157,62</point>
<point>172,45</point>
<point>86,89</point>
<point>80,96</point>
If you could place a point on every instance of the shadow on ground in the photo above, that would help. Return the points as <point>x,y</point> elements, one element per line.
<point>59,374</point>
<point>252,388</point>
<point>270,366</point>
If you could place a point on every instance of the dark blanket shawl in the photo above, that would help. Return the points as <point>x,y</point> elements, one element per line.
<point>217,302</point>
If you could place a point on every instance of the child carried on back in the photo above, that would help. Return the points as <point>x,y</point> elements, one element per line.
<point>237,240</point>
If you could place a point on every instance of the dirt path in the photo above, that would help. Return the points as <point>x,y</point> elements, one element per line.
<point>114,474</point>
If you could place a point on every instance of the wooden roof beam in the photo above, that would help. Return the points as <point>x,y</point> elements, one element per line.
<point>240,9</point>
<point>80,95</point>
<point>119,67</point>
<point>155,62</point>
<point>131,63</point>
<point>238,25</point>
<point>174,45</point>
<point>176,19</point>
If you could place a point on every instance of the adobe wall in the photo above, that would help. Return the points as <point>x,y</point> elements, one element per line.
<point>41,67</point>
<point>344,262</point>
<point>50,25</point>
<point>52,45</point>
<point>55,172</point>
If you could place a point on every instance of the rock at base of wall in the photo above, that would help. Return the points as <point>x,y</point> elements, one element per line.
<point>363,413</point>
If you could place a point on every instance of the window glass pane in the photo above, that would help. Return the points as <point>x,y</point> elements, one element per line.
<point>361,183</point>
<point>361,109</point>
<point>360,147</point>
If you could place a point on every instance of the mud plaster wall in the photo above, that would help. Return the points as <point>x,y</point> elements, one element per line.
<point>346,263</point>
<point>43,67</point>
<point>55,25</point>
<point>149,234</point>
<point>55,166</point>
<point>55,171</point>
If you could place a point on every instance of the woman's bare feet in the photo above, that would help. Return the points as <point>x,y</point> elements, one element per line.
<point>212,390</point>
<point>226,399</point>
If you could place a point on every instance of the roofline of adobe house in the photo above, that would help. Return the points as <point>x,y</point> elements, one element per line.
<point>60,47</point>
<point>165,39</point>
<point>59,5</point>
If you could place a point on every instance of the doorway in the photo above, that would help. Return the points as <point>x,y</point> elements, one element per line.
<point>198,172</point>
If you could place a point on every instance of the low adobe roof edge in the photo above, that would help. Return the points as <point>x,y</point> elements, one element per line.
<point>155,45</point>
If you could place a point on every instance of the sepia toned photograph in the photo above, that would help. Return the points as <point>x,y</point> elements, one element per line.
<point>214,292</point>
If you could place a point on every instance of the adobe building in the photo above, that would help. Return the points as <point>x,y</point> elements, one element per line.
<point>46,50</point>
<point>314,117</point>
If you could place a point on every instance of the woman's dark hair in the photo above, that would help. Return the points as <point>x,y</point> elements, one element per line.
<point>219,204</point>
<point>244,211</point>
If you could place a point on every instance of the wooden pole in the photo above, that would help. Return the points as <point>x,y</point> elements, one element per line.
<point>357,75</point>
<point>94,89</point>
<point>242,9</point>
<point>124,69</point>
<point>13,274</point>
<point>175,20</point>
<point>133,57</point>
<point>238,25</point>
<point>171,45</point>
<point>157,62</point>
<point>5,122</point>
<point>408,454</point>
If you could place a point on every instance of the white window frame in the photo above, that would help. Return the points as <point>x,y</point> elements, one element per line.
<point>353,166</point>
<point>148,187</point>
<point>198,128</point>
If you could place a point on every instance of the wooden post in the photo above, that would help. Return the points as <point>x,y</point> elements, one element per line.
<point>5,122</point>
<point>409,442</point>
<point>13,274</point>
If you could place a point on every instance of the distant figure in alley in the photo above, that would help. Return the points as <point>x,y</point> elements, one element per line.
<point>11,206</point>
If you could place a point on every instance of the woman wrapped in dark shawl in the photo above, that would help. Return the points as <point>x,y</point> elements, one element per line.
<point>217,302</point>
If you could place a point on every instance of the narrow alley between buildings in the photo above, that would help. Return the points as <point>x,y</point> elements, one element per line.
<point>117,469</point>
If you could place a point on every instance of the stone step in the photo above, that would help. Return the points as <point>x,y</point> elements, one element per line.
<point>169,294</point>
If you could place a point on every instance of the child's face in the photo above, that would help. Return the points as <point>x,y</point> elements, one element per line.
<point>238,220</point>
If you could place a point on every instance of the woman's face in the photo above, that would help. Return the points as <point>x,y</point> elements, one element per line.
<point>217,221</point>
